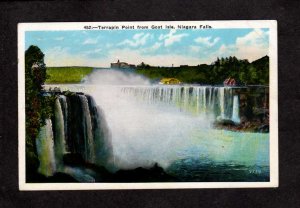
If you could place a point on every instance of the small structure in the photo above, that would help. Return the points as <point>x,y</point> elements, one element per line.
<point>169,81</point>
<point>122,65</point>
<point>229,82</point>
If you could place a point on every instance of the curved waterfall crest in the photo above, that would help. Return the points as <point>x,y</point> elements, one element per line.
<point>217,101</point>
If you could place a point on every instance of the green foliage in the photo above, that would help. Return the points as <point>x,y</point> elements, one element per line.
<point>47,110</point>
<point>242,71</point>
<point>37,106</point>
<point>262,69</point>
<point>35,76</point>
<point>67,74</point>
<point>186,74</point>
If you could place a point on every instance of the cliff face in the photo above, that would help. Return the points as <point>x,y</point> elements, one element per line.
<point>253,109</point>
<point>254,102</point>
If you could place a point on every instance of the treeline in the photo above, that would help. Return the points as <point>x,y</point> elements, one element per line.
<point>244,72</point>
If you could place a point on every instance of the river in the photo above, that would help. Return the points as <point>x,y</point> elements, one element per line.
<point>152,124</point>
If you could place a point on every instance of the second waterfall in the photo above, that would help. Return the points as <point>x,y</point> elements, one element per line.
<point>216,101</point>
<point>78,126</point>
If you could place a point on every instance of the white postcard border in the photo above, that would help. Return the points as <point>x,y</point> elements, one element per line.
<point>274,169</point>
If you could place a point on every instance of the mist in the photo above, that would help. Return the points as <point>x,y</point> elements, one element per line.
<point>115,77</point>
<point>142,133</point>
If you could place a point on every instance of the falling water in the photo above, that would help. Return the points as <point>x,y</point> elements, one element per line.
<point>45,149</point>
<point>167,124</point>
<point>102,135</point>
<point>195,99</point>
<point>59,134</point>
<point>138,114</point>
<point>222,102</point>
<point>89,153</point>
<point>235,110</point>
<point>64,108</point>
<point>78,118</point>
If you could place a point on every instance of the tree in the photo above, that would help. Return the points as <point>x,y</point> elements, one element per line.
<point>242,71</point>
<point>35,76</point>
<point>142,65</point>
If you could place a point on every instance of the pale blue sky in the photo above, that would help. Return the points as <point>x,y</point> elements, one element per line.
<point>156,47</point>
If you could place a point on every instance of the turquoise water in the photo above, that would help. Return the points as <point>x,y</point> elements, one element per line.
<point>185,145</point>
<point>219,155</point>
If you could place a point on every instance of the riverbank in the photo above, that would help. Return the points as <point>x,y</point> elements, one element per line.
<point>101,174</point>
<point>260,124</point>
<point>244,127</point>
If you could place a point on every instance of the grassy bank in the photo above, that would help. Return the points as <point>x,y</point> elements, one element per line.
<point>67,74</point>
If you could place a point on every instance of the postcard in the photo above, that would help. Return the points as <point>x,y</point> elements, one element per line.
<point>148,105</point>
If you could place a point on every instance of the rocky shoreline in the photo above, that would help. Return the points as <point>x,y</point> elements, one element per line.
<point>253,111</point>
<point>259,123</point>
<point>245,127</point>
<point>101,174</point>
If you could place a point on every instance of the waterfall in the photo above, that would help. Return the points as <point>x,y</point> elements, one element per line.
<point>75,135</point>
<point>45,149</point>
<point>59,134</point>
<point>186,96</point>
<point>204,98</point>
<point>217,101</point>
<point>64,108</point>
<point>225,102</point>
<point>235,110</point>
<point>102,136</point>
<point>89,149</point>
<point>79,127</point>
<point>222,102</point>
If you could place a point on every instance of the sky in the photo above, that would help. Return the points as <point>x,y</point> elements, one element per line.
<point>99,48</point>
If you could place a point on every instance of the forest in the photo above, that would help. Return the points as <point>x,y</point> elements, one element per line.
<point>244,72</point>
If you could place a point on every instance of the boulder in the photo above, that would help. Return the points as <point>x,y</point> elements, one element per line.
<point>153,174</point>
<point>225,122</point>
<point>264,128</point>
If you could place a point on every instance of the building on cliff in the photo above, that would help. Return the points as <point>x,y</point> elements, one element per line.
<point>122,65</point>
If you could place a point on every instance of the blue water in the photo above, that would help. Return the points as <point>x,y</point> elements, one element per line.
<point>223,156</point>
<point>183,144</point>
